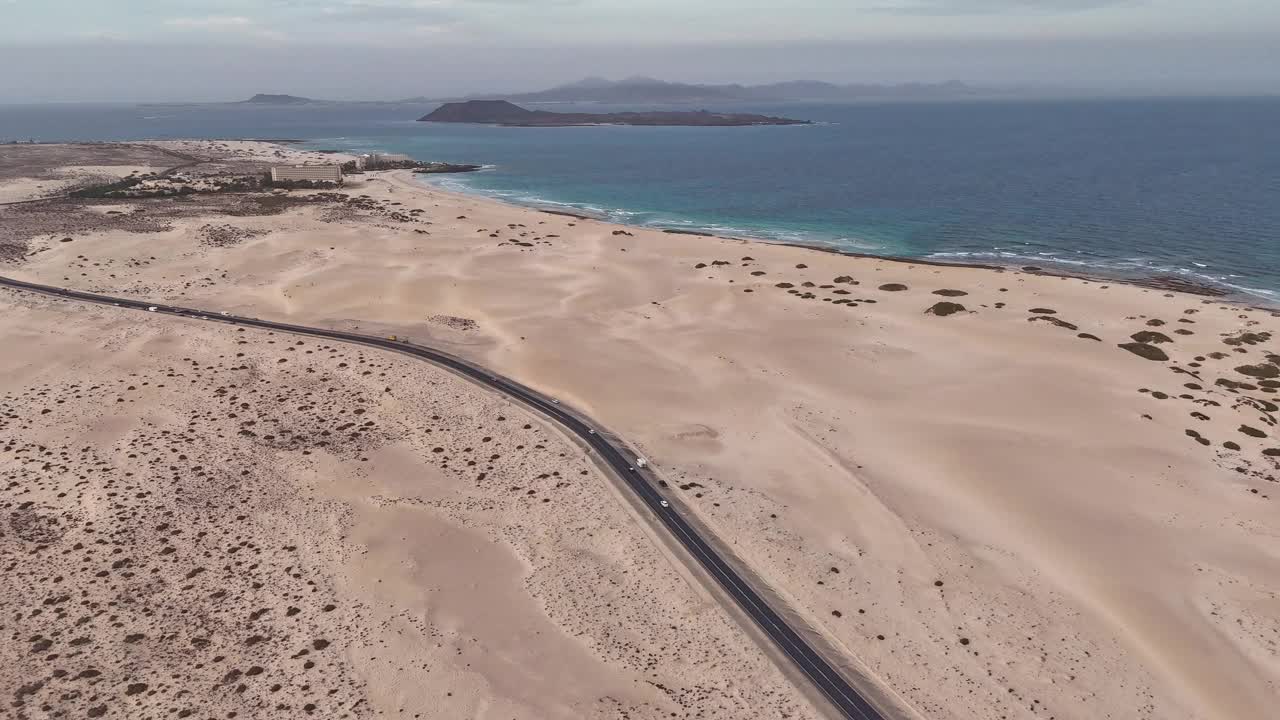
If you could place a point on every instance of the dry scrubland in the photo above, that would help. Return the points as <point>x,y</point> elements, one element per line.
<point>208,522</point>
<point>1006,494</point>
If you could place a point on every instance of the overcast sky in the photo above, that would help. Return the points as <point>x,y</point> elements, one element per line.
<point>148,50</point>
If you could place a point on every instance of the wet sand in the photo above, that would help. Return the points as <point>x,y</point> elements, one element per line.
<point>1005,493</point>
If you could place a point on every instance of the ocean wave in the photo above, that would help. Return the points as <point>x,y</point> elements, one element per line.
<point>655,220</point>
<point>1120,268</point>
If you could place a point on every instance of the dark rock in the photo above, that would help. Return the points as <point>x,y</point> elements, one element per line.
<point>893,287</point>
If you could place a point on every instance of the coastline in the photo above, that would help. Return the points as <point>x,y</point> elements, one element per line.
<point>1163,280</point>
<point>967,479</point>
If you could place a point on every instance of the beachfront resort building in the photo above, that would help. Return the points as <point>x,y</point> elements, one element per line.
<point>375,161</point>
<point>311,173</point>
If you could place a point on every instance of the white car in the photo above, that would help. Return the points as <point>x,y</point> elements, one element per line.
<point>641,462</point>
<point>555,402</point>
<point>153,308</point>
<point>593,432</point>
<point>664,503</point>
<point>225,313</point>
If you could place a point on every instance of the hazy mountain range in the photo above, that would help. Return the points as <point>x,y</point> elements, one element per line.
<point>650,90</point>
<point>269,99</point>
<point>645,90</point>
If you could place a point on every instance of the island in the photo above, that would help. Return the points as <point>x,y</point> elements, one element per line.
<point>502,112</point>
<point>269,99</point>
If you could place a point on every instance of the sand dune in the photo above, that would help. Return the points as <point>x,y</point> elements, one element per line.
<point>203,521</point>
<point>1003,509</point>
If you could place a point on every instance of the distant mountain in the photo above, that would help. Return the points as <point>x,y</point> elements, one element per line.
<point>501,112</point>
<point>266,99</point>
<point>637,90</point>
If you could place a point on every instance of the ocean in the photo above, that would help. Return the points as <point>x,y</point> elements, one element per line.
<point>1118,188</point>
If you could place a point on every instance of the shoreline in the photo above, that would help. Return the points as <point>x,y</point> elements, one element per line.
<point>1165,282</point>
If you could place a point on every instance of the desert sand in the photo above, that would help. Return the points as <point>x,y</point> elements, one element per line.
<point>1005,494</point>
<point>213,522</point>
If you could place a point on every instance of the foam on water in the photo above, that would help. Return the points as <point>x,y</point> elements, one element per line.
<point>1117,268</point>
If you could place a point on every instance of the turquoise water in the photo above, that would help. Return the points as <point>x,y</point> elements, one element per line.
<point>1127,188</point>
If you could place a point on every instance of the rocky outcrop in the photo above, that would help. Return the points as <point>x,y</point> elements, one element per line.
<point>501,112</point>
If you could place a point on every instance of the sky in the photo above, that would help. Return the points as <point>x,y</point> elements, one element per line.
<point>210,50</point>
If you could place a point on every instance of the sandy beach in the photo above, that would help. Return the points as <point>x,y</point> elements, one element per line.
<point>1004,494</point>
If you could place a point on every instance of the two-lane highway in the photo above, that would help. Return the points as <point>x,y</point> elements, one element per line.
<point>615,456</point>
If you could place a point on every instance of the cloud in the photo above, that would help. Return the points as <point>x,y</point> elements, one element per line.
<point>413,11</point>
<point>211,22</point>
<point>238,24</point>
<point>365,11</point>
<point>100,35</point>
<point>991,7</point>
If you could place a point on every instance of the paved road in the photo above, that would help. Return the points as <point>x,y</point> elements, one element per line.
<point>616,455</point>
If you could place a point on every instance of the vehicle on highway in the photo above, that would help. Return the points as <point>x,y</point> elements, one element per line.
<point>225,313</point>
<point>664,503</point>
<point>641,462</point>
<point>153,308</point>
<point>554,401</point>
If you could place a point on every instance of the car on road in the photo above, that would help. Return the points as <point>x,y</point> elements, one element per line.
<point>554,401</point>
<point>153,308</point>
<point>664,503</point>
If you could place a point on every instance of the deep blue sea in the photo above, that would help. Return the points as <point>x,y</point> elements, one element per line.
<point>1187,187</point>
